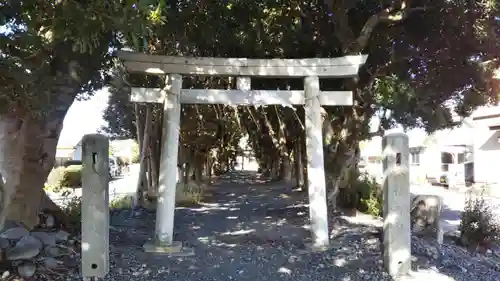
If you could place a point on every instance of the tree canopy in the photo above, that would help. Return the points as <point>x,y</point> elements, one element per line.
<point>423,55</point>
<point>427,60</point>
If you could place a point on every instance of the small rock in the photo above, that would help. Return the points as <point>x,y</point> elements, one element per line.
<point>26,248</point>
<point>26,270</point>
<point>51,263</point>
<point>61,236</point>
<point>284,270</point>
<point>456,266</point>
<point>46,238</point>
<point>15,233</point>
<point>5,275</point>
<point>52,251</point>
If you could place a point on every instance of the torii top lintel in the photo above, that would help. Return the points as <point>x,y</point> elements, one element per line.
<point>346,66</point>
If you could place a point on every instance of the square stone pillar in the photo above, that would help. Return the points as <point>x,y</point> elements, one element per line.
<point>397,230</point>
<point>95,206</point>
<point>318,212</point>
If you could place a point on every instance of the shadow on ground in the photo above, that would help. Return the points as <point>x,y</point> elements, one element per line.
<point>253,229</point>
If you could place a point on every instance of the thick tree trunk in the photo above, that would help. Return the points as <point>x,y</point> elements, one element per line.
<point>34,148</point>
<point>12,138</point>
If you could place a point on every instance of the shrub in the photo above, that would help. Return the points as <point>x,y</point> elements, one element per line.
<point>136,153</point>
<point>121,203</point>
<point>370,195</point>
<point>72,176</point>
<point>364,194</point>
<point>189,194</point>
<point>62,177</point>
<point>478,228</point>
<point>72,208</point>
<point>54,178</point>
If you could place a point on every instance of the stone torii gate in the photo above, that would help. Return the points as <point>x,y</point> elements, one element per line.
<point>174,95</point>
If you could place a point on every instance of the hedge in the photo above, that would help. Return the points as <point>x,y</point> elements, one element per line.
<point>61,177</point>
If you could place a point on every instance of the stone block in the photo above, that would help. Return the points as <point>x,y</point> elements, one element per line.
<point>174,249</point>
<point>425,216</point>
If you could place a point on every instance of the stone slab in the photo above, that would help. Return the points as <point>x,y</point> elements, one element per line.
<point>175,249</point>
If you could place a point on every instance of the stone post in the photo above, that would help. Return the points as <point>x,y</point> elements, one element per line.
<point>165,210</point>
<point>318,213</point>
<point>397,232</point>
<point>95,206</point>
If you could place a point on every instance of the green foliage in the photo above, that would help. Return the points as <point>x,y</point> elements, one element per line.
<point>429,55</point>
<point>72,176</point>
<point>478,226</point>
<point>364,194</point>
<point>125,202</point>
<point>136,154</point>
<point>72,208</point>
<point>64,177</point>
<point>54,179</point>
<point>52,51</point>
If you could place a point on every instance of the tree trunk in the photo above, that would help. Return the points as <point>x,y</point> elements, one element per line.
<point>199,169</point>
<point>153,170</point>
<point>286,169</point>
<point>275,169</point>
<point>12,138</point>
<point>31,145</point>
<point>142,182</point>
<point>299,167</point>
<point>139,123</point>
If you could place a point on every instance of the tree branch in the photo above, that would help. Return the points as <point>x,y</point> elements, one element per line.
<point>386,16</point>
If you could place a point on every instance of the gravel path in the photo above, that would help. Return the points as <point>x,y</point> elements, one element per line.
<point>251,230</point>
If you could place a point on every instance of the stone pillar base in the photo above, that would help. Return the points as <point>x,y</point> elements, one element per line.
<point>175,249</point>
<point>310,247</point>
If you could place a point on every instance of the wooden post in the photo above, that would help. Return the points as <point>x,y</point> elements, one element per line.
<point>95,206</point>
<point>318,212</point>
<point>397,232</point>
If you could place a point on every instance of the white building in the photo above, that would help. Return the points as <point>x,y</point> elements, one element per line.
<point>487,145</point>
<point>469,152</point>
<point>77,154</point>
